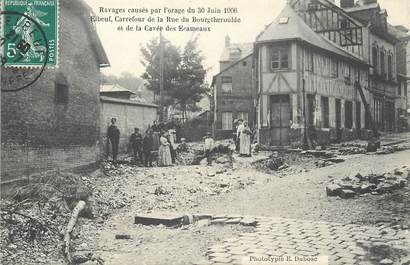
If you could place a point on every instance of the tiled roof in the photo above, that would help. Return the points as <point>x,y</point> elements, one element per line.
<point>294,28</point>
<point>127,102</point>
<point>114,88</point>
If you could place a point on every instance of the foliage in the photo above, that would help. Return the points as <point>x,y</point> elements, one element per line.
<point>151,62</point>
<point>190,86</point>
<point>184,73</point>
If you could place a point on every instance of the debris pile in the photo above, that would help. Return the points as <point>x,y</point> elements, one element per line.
<point>384,150</point>
<point>193,153</point>
<point>352,150</point>
<point>374,183</point>
<point>35,217</point>
<point>328,162</point>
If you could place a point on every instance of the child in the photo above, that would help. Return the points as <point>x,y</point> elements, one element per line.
<point>209,145</point>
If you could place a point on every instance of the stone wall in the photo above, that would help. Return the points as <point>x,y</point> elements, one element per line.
<point>33,120</point>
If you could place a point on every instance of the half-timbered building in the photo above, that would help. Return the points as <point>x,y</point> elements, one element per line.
<point>306,84</point>
<point>325,72</point>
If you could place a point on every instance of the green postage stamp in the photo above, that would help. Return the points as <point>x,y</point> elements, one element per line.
<point>29,33</point>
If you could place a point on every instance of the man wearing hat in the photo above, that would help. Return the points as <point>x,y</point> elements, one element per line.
<point>113,135</point>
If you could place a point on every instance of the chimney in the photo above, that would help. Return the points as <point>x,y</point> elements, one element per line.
<point>346,3</point>
<point>227,41</point>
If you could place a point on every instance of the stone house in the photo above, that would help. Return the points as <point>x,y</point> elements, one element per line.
<point>56,121</point>
<point>233,88</point>
<point>384,50</point>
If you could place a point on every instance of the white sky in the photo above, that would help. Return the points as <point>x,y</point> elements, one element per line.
<point>123,48</point>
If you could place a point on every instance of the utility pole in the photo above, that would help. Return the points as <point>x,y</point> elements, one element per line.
<point>161,78</point>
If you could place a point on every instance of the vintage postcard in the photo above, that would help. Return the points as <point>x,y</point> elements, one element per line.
<point>205,132</point>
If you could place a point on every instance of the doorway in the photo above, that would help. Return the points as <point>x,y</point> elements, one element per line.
<point>280,119</point>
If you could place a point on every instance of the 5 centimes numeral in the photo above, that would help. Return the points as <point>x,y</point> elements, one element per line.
<point>29,35</point>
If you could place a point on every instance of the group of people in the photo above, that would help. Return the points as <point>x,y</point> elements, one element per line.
<point>242,137</point>
<point>157,143</point>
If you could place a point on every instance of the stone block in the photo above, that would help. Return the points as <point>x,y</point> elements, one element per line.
<point>122,237</point>
<point>201,216</point>
<point>365,188</point>
<point>248,222</point>
<point>333,190</point>
<point>169,220</point>
<point>234,221</point>
<point>220,221</point>
<point>386,262</point>
<point>346,194</point>
<point>403,183</point>
<point>203,222</point>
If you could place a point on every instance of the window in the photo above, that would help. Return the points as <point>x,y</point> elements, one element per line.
<point>382,65</point>
<point>335,68</point>
<point>244,63</point>
<point>283,20</point>
<point>325,112</point>
<point>348,74</point>
<point>61,89</point>
<point>348,114</point>
<point>243,116</point>
<point>399,89</point>
<point>226,84</point>
<point>389,67</point>
<point>279,58</point>
<point>374,59</point>
<point>309,61</point>
<point>226,120</point>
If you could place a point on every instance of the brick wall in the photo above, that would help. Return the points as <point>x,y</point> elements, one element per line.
<point>32,119</point>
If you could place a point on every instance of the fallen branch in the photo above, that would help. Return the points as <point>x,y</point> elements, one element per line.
<point>71,224</point>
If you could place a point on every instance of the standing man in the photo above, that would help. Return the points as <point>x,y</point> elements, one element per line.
<point>136,144</point>
<point>113,135</point>
<point>147,147</point>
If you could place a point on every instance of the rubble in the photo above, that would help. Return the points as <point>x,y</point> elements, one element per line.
<point>374,184</point>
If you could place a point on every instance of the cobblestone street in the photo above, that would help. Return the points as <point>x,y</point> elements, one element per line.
<point>278,237</point>
<point>291,213</point>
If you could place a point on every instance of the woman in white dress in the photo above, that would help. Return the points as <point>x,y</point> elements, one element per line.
<point>245,140</point>
<point>164,152</point>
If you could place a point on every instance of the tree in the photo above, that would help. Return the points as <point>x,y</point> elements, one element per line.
<point>151,62</point>
<point>189,86</point>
